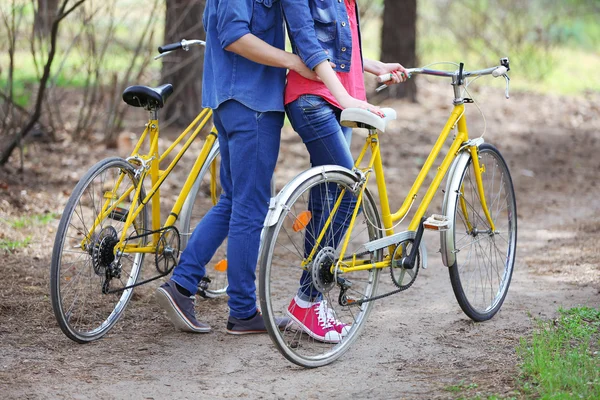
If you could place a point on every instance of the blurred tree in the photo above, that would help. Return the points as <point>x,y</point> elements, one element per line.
<point>184,69</point>
<point>398,42</point>
<point>44,15</point>
<point>9,144</point>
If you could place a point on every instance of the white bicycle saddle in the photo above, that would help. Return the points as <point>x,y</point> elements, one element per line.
<point>361,118</point>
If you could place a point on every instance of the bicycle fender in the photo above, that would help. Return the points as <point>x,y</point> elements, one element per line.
<point>449,206</point>
<point>278,203</point>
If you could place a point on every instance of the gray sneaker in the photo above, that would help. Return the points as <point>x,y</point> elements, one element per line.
<point>179,308</point>
<point>255,324</point>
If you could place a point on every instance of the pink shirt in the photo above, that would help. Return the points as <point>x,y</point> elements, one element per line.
<point>353,80</point>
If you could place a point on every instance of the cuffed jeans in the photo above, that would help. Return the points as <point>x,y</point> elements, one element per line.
<point>249,144</point>
<point>317,123</point>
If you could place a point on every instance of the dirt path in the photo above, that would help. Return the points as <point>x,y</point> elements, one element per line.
<point>416,345</point>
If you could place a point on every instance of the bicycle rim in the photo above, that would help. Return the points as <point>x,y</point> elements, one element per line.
<point>484,259</point>
<point>284,250</point>
<point>79,267</point>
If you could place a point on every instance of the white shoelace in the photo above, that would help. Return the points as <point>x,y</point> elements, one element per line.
<point>326,316</point>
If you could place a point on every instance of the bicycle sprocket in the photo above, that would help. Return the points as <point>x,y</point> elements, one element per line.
<point>102,249</point>
<point>402,277</point>
<point>167,250</point>
<point>322,278</point>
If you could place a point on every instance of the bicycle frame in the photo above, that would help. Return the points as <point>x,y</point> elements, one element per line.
<point>459,143</point>
<point>149,164</point>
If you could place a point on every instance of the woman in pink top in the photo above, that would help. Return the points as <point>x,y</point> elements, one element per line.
<point>326,35</point>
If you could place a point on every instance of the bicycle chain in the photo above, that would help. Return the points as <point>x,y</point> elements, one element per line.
<point>107,282</point>
<point>381,296</point>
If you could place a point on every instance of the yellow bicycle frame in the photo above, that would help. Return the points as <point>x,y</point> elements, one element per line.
<point>459,143</point>
<point>149,164</point>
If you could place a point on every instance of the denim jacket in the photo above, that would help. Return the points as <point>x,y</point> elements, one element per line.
<point>319,31</point>
<point>230,76</point>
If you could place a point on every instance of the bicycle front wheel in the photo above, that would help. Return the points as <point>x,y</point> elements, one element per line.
<point>485,258</point>
<point>203,195</point>
<point>283,277</point>
<point>86,276</point>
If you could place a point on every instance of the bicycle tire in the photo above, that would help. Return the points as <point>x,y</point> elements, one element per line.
<point>199,201</point>
<point>281,254</point>
<point>77,277</point>
<point>483,257</point>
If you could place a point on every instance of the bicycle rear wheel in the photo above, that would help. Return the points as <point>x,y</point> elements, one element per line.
<point>202,197</point>
<point>85,274</point>
<point>485,259</point>
<point>286,245</point>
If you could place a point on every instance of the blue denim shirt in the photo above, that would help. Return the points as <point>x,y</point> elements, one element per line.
<point>319,31</point>
<point>230,76</point>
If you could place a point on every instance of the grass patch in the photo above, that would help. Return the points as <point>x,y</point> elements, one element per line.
<point>461,386</point>
<point>31,220</point>
<point>12,245</point>
<point>562,358</point>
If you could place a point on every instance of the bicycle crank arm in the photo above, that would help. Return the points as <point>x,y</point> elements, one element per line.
<point>408,262</point>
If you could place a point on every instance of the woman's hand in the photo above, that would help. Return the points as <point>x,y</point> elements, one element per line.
<point>397,72</point>
<point>351,102</point>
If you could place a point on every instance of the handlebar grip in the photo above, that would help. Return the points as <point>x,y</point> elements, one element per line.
<point>499,71</point>
<point>384,78</point>
<point>169,47</point>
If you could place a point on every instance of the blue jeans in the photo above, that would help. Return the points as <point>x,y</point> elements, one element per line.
<point>249,144</point>
<point>317,123</point>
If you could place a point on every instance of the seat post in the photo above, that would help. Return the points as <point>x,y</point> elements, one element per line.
<point>153,113</point>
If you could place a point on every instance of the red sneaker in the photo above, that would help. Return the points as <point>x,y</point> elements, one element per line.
<point>317,320</point>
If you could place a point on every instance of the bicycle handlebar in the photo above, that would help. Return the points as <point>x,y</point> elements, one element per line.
<point>184,44</point>
<point>458,76</point>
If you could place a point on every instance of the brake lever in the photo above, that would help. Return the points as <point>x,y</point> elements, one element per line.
<point>507,79</point>
<point>163,54</point>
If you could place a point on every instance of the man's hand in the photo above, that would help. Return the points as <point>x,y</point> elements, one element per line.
<point>301,68</point>
<point>257,50</point>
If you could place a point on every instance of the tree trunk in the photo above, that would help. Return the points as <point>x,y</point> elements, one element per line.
<point>184,69</point>
<point>398,43</point>
<point>45,13</point>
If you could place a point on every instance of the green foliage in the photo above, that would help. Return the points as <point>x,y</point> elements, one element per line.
<point>548,42</point>
<point>11,245</point>
<point>459,387</point>
<point>561,359</point>
<point>31,220</point>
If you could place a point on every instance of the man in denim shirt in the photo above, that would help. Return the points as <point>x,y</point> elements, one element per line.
<point>243,82</point>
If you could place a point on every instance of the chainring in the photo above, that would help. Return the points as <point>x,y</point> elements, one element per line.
<point>403,278</point>
<point>167,250</point>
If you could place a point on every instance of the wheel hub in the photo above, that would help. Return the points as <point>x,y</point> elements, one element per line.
<point>323,279</point>
<point>103,249</point>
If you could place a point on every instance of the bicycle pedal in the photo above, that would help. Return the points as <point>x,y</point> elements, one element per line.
<point>437,222</point>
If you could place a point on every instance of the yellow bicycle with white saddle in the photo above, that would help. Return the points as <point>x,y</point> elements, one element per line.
<point>311,230</point>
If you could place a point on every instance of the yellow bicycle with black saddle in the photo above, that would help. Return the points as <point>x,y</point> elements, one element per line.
<point>112,220</point>
<point>326,227</point>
